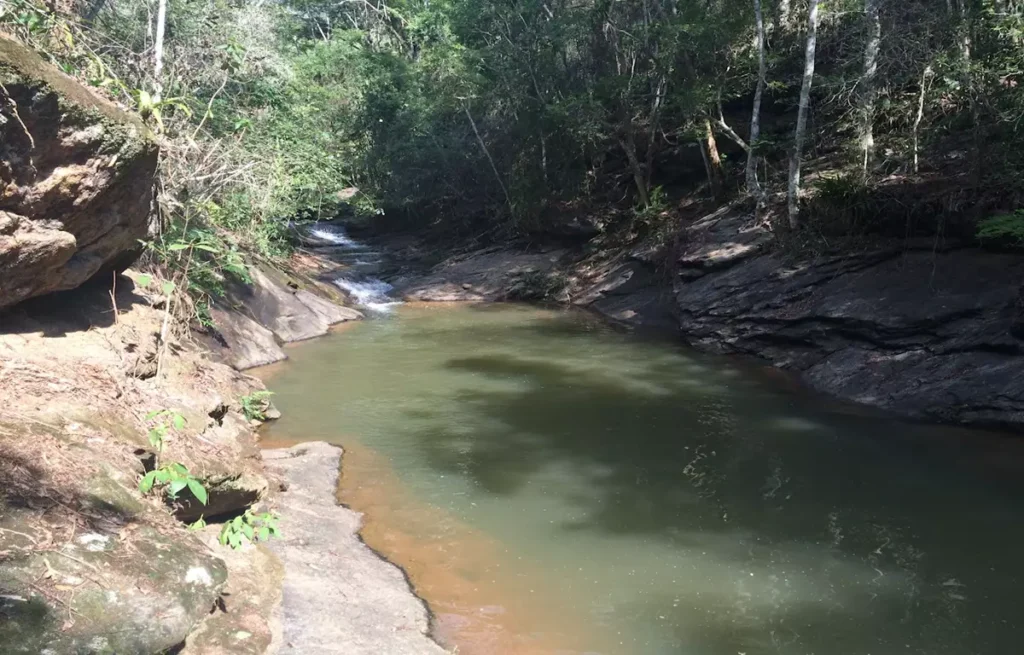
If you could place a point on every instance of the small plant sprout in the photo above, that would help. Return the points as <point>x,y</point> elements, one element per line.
<point>198,525</point>
<point>173,478</point>
<point>255,405</point>
<point>165,419</point>
<point>249,527</point>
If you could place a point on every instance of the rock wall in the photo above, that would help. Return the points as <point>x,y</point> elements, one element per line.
<point>76,179</point>
<point>913,328</point>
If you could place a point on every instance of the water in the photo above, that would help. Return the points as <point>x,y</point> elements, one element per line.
<point>554,486</point>
<point>362,263</point>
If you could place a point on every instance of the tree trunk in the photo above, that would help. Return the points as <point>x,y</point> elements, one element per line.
<point>801,118</point>
<point>868,88</point>
<point>490,160</point>
<point>628,144</point>
<point>967,84</point>
<point>158,49</point>
<point>785,12</point>
<point>714,160</point>
<point>753,186</point>
<point>925,77</point>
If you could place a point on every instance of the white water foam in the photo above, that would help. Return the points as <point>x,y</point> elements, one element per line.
<point>370,293</point>
<point>335,236</point>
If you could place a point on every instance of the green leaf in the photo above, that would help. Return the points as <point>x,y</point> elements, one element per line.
<point>179,468</point>
<point>175,487</point>
<point>248,531</point>
<point>154,414</point>
<point>202,246</point>
<point>179,422</point>
<point>146,483</point>
<point>144,280</point>
<point>174,247</point>
<point>264,533</point>
<point>198,490</point>
<point>223,538</point>
<point>168,288</point>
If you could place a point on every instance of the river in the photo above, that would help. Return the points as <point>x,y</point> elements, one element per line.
<point>554,485</point>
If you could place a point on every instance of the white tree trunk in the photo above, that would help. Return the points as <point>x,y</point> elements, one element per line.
<point>801,118</point>
<point>925,78</point>
<point>753,186</point>
<point>785,11</point>
<point>868,87</point>
<point>158,49</point>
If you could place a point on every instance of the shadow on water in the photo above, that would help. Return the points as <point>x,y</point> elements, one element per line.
<point>667,450</point>
<point>682,501</point>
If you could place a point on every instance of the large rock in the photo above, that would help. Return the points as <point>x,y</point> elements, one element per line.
<point>923,332</point>
<point>76,179</point>
<point>340,598</point>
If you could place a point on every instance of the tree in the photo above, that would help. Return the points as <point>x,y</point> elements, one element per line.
<point>753,186</point>
<point>868,88</point>
<point>801,120</point>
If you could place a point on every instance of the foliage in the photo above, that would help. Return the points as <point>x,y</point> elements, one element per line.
<point>173,478</point>
<point>165,420</point>
<point>255,405</point>
<point>249,527</point>
<point>1003,228</point>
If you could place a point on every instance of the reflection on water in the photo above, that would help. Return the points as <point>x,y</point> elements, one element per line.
<point>637,498</point>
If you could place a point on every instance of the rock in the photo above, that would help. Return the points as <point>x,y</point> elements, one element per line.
<point>76,180</point>
<point>923,333</point>
<point>329,312</point>
<point>276,307</point>
<point>246,344</point>
<point>365,607</point>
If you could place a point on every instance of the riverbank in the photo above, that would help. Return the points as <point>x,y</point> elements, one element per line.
<point>926,329</point>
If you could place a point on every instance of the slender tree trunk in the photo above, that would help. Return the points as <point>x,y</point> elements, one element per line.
<point>925,77</point>
<point>784,16</point>
<point>753,186</point>
<point>158,49</point>
<point>801,118</point>
<point>714,160</point>
<point>967,83</point>
<point>490,160</point>
<point>628,144</point>
<point>868,87</point>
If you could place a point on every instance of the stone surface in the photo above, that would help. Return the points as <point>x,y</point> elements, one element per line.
<point>487,274</point>
<point>923,332</point>
<point>339,597</point>
<point>76,180</point>
<point>328,312</point>
<point>246,344</point>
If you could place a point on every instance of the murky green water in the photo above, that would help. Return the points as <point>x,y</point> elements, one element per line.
<point>639,498</point>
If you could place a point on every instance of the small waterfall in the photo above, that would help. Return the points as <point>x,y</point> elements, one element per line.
<point>363,263</point>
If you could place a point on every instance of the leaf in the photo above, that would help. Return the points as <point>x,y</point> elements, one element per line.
<point>223,538</point>
<point>179,422</point>
<point>198,490</point>
<point>179,468</point>
<point>203,246</point>
<point>146,483</point>
<point>248,531</point>
<point>174,247</point>
<point>144,281</point>
<point>168,288</point>
<point>175,487</point>
<point>154,414</point>
<point>264,533</point>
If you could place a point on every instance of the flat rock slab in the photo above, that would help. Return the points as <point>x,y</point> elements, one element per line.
<point>339,596</point>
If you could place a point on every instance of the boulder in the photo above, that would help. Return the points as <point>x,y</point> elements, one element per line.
<point>76,180</point>
<point>246,343</point>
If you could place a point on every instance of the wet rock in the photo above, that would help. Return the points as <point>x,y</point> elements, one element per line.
<point>81,205</point>
<point>329,312</point>
<point>364,607</point>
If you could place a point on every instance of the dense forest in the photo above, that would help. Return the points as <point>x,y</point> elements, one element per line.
<point>503,117</point>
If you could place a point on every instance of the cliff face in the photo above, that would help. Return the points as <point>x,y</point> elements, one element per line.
<point>76,179</point>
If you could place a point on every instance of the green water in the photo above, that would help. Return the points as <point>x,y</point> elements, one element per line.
<point>672,502</point>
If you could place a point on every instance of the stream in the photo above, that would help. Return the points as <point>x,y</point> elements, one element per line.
<point>553,485</point>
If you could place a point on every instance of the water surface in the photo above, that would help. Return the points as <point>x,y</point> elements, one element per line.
<point>556,486</point>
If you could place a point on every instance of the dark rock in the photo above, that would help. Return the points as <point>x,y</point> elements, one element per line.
<point>923,333</point>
